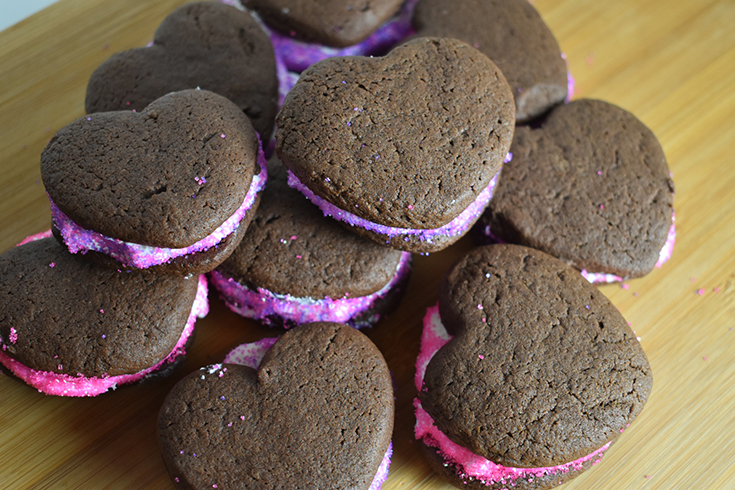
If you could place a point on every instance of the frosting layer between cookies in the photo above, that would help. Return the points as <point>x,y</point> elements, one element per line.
<point>469,466</point>
<point>52,383</point>
<point>251,355</point>
<point>78,239</point>
<point>455,227</point>
<point>260,304</point>
<point>299,55</point>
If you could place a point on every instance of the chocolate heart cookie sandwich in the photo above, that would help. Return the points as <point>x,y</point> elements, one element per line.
<point>514,36</point>
<point>403,148</point>
<point>313,409</point>
<point>71,327</point>
<point>527,373</point>
<point>590,186</point>
<point>294,265</point>
<point>205,45</point>
<point>171,188</point>
<point>302,34</point>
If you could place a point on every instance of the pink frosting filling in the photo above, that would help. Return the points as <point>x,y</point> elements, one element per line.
<point>455,227</point>
<point>78,239</point>
<point>66,385</point>
<point>262,303</point>
<point>469,466</point>
<point>252,354</point>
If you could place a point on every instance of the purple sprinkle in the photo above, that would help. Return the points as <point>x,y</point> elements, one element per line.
<point>343,81</point>
<point>104,336</point>
<point>587,306</point>
<point>52,265</point>
<point>349,123</point>
<point>89,119</point>
<point>222,398</point>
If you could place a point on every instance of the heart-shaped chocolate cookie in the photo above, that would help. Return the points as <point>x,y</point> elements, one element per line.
<point>166,176</point>
<point>590,186</point>
<point>71,327</point>
<point>336,23</point>
<point>514,36</point>
<point>206,45</point>
<point>542,372</point>
<point>318,413</point>
<point>408,141</point>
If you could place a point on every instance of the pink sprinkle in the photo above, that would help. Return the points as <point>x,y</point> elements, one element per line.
<point>648,477</point>
<point>479,307</point>
<point>587,306</point>
<point>602,206</point>
<point>704,358</point>
<point>625,286</point>
<point>630,324</point>
<point>701,291</point>
<point>102,311</point>
<point>181,452</point>
<point>229,425</point>
<point>292,33</point>
<point>177,478</point>
<point>599,172</point>
<point>242,417</point>
<point>692,279</point>
<point>298,256</point>
<point>223,135</point>
<point>127,103</point>
<point>716,290</point>
<point>13,335</point>
<point>134,110</point>
<point>481,357</point>
<point>294,237</point>
<point>59,367</point>
<point>590,58</point>
<point>477,45</point>
<point>410,207</point>
<point>214,486</point>
<point>52,265</point>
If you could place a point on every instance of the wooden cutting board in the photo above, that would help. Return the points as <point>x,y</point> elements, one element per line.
<point>669,62</point>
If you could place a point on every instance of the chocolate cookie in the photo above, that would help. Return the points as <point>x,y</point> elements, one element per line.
<point>171,182</point>
<point>295,266</point>
<point>205,45</point>
<point>70,327</point>
<point>514,36</point>
<point>402,147</point>
<point>332,22</point>
<point>527,373</point>
<point>317,413</point>
<point>590,186</point>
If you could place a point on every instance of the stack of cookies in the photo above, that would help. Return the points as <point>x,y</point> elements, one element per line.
<point>400,127</point>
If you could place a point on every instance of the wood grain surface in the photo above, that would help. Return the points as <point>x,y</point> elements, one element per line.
<point>670,62</point>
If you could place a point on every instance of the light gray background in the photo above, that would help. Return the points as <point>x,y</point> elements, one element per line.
<point>13,11</point>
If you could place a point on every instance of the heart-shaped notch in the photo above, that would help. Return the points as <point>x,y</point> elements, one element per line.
<point>318,410</point>
<point>208,45</point>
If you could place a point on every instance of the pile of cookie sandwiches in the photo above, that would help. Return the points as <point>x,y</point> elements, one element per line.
<point>294,155</point>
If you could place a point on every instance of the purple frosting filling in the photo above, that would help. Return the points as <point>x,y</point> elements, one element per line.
<point>299,55</point>
<point>262,304</point>
<point>78,239</point>
<point>252,354</point>
<point>456,227</point>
